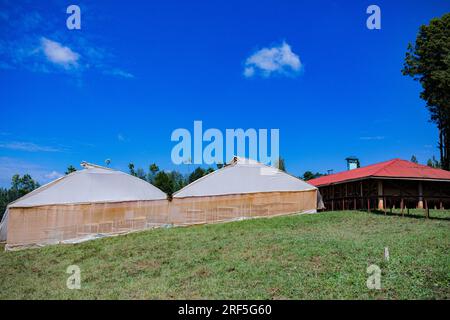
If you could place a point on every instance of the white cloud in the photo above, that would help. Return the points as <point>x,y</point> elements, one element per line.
<point>274,60</point>
<point>12,166</point>
<point>32,40</point>
<point>27,146</point>
<point>53,175</point>
<point>120,137</point>
<point>58,54</point>
<point>372,138</point>
<point>119,73</point>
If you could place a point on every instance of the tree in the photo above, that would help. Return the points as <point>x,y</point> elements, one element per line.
<point>308,175</point>
<point>428,61</point>
<point>281,164</point>
<point>20,186</point>
<point>153,169</point>
<point>24,184</point>
<point>163,182</point>
<point>70,169</point>
<point>219,165</point>
<point>178,181</point>
<point>140,173</point>
<point>433,163</point>
<point>131,168</point>
<point>197,174</point>
<point>414,159</point>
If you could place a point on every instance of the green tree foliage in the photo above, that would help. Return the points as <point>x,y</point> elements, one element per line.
<point>163,182</point>
<point>70,169</point>
<point>131,169</point>
<point>281,164</point>
<point>23,184</point>
<point>428,61</point>
<point>433,163</point>
<point>20,186</point>
<point>178,181</point>
<point>414,159</point>
<point>169,182</point>
<point>153,170</point>
<point>140,173</point>
<point>197,174</point>
<point>308,175</point>
<point>219,165</point>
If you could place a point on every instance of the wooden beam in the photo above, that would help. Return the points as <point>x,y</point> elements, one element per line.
<point>420,203</point>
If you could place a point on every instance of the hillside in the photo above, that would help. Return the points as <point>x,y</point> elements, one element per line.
<point>295,257</point>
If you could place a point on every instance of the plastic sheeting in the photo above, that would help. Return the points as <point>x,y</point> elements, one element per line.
<point>94,184</point>
<point>75,223</point>
<point>320,204</point>
<point>57,223</point>
<point>243,176</point>
<point>3,226</point>
<point>195,210</point>
<point>97,201</point>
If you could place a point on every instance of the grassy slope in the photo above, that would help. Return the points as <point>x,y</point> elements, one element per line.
<point>297,257</point>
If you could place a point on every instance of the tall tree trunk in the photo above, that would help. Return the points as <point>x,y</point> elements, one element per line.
<point>447,148</point>
<point>441,143</point>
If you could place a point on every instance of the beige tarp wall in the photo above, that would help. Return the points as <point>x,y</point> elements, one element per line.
<point>57,223</point>
<point>193,210</point>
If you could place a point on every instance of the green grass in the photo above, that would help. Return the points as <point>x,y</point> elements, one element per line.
<point>321,256</point>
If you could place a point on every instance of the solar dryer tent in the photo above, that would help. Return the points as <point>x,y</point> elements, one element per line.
<point>83,204</point>
<point>242,189</point>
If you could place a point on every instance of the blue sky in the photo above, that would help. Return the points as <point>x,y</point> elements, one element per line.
<point>137,70</point>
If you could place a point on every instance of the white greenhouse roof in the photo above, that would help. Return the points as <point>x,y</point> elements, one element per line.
<point>243,176</point>
<point>92,184</point>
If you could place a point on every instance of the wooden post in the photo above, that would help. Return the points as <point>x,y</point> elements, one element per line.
<point>368,204</point>
<point>420,203</point>
<point>402,206</point>
<point>427,210</point>
<point>346,194</point>
<point>333,195</point>
<point>381,205</point>
<point>384,205</point>
<point>361,195</point>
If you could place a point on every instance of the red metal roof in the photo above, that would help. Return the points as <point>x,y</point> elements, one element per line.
<point>395,168</point>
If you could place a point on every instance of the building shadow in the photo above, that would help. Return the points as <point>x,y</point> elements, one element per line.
<point>406,215</point>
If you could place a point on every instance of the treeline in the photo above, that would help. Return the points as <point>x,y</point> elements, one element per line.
<point>168,181</point>
<point>432,162</point>
<point>20,186</point>
<point>428,61</point>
